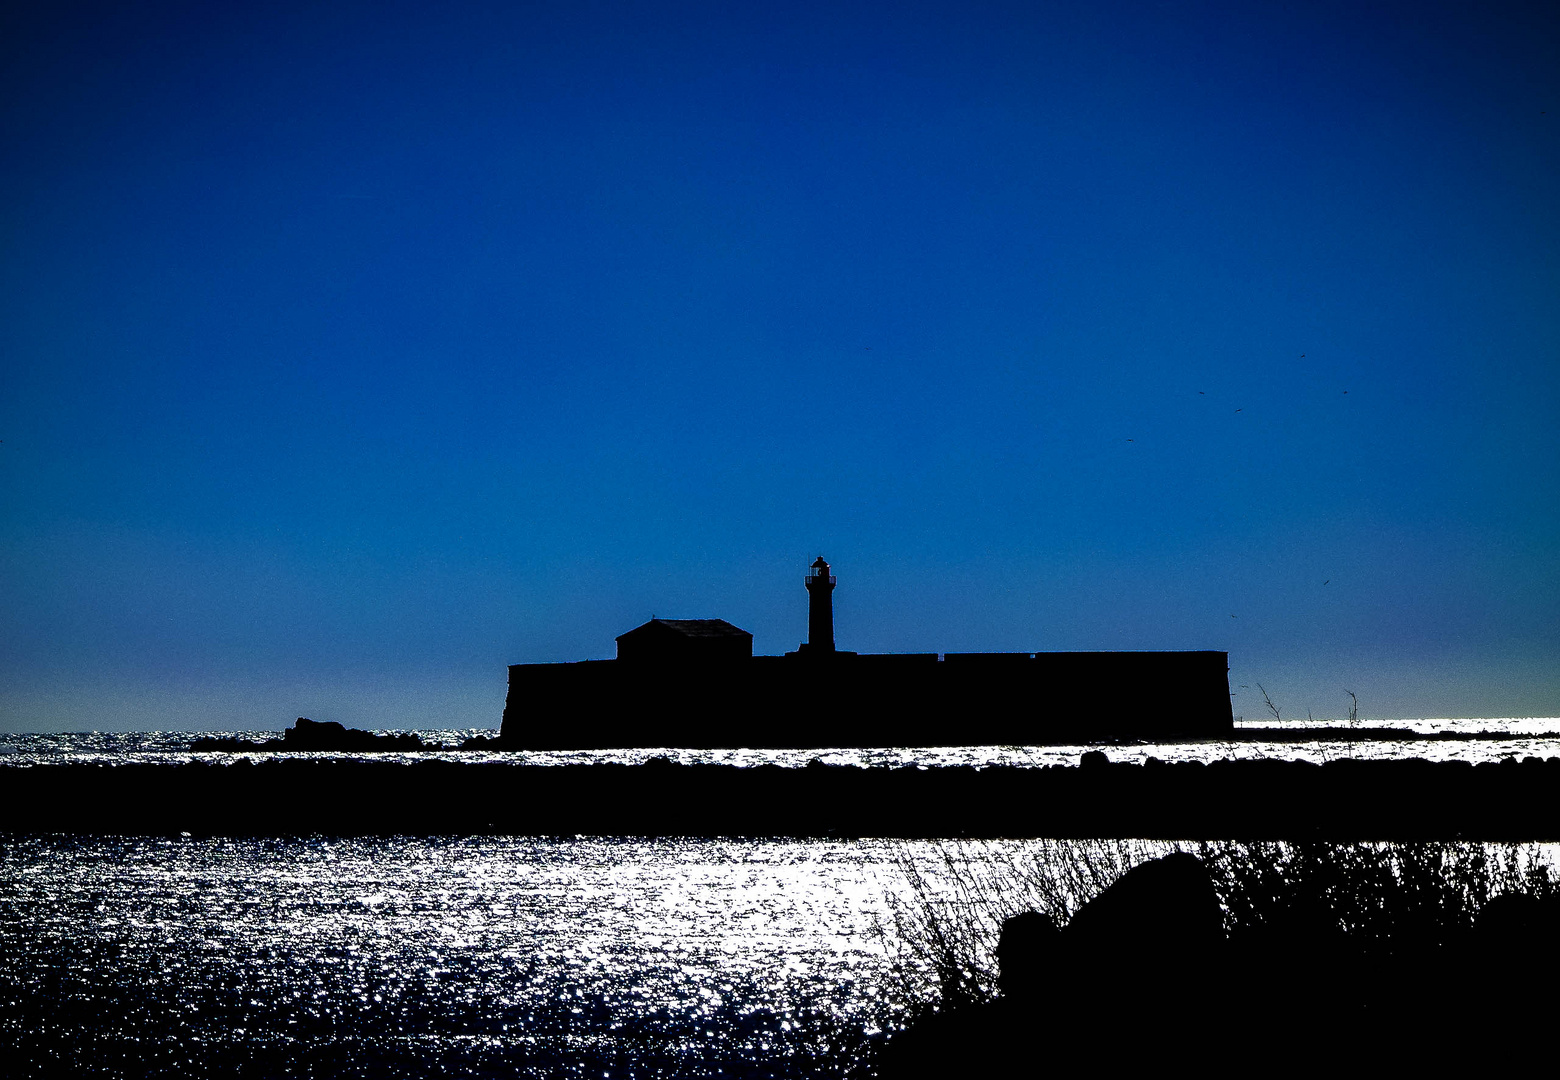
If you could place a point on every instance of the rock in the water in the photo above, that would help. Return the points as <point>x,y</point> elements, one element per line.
<point>309,734</point>
<point>318,736</point>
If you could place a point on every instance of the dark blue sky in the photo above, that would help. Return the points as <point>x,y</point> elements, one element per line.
<point>349,352</point>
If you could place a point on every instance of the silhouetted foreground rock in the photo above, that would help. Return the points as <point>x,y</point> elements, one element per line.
<point>1342,800</point>
<point>1144,977</point>
<point>1134,963</point>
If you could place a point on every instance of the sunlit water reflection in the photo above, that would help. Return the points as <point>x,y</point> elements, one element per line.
<point>411,956</point>
<point>491,956</point>
<point>415,957</point>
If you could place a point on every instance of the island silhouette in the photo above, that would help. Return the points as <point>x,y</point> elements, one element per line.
<point>695,683</point>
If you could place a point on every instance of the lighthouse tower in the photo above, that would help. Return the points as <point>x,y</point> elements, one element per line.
<point>820,609</point>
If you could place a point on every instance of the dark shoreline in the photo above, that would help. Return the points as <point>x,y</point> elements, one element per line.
<point>1370,734</point>
<point>354,741</point>
<point>1341,800</point>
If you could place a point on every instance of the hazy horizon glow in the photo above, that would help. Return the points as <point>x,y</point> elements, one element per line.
<point>351,352</point>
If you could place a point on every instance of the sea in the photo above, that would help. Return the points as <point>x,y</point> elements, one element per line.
<point>479,956</point>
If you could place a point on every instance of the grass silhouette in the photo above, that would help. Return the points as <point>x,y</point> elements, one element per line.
<point>1364,900</point>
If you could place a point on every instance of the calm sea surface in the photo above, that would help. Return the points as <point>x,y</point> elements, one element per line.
<point>480,956</point>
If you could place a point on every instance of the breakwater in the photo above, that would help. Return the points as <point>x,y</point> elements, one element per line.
<point>1342,800</point>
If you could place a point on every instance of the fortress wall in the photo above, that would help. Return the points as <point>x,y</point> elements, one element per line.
<point>873,700</point>
<point>546,703</point>
<point>1141,694</point>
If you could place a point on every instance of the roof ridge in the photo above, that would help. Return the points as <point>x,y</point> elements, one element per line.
<point>697,627</point>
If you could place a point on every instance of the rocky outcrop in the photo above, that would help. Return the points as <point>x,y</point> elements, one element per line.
<point>1132,968</point>
<point>319,736</point>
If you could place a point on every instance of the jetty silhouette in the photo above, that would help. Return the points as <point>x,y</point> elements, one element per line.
<point>695,683</point>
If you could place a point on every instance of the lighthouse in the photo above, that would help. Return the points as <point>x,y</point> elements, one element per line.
<point>820,608</point>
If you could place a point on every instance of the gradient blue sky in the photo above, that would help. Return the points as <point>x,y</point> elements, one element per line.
<point>350,352</point>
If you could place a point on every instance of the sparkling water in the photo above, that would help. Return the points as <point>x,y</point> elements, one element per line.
<point>481,956</point>
<point>442,956</point>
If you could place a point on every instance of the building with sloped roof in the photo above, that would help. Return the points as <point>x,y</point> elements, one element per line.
<point>685,640</point>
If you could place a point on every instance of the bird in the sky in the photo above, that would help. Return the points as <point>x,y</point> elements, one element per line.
<point>1240,410</point>
<point>1328,581</point>
<point>1131,440</point>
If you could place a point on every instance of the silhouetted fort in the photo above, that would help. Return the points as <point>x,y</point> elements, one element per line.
<point>695,683</point>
